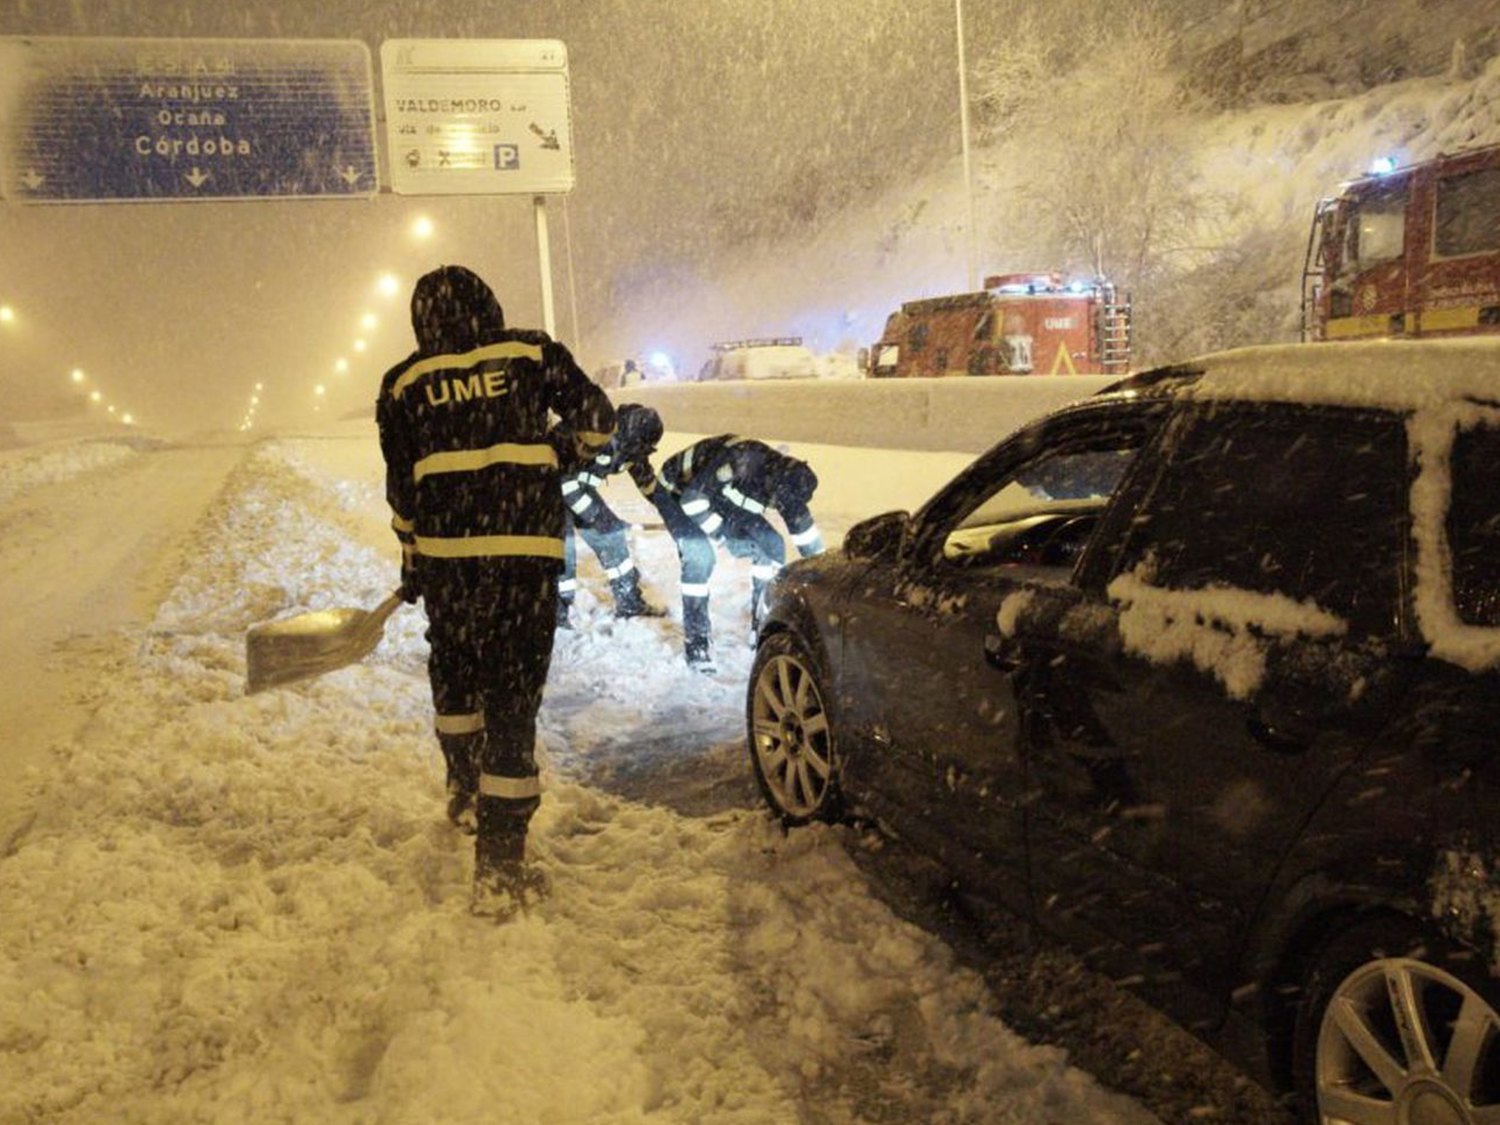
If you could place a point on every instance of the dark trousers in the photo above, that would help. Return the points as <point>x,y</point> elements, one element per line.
<point>490,625</point>
<point>696,554</point>
<point>751,536</point>
<point>606,535</point>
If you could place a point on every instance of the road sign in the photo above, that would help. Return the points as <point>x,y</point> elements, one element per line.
<point>477,116</point>
<point>156,120</point>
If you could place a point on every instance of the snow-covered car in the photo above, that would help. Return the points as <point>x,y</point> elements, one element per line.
<point>1200,676</point>
<point>778,357</point>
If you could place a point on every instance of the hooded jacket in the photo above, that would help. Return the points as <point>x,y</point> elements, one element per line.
<point>472,457</point>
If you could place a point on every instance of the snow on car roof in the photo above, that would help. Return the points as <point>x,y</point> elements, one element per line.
<point>1403,375</point>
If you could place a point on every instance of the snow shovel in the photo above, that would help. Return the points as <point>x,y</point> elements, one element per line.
<point>310,644</point>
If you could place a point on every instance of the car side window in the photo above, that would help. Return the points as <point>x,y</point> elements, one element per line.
<point>1474,526</point>
<point>1309,504</point>
<point>1043,514</point>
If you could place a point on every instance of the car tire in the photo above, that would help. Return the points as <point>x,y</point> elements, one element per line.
<point>1391,1027</point>
<point>791,733</point>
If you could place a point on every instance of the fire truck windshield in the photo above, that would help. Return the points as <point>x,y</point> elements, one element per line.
<point>1375,229</point>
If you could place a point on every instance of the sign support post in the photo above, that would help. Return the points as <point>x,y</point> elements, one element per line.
<point>544,263</point>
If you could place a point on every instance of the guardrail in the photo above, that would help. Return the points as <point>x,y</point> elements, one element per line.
<point>955,415</point>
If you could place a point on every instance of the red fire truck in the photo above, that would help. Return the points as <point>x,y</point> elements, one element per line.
<point>1414,251</point>
<point>1019,324</point>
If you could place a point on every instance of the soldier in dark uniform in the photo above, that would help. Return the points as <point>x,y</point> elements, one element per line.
<point>727,483</point>
<point>638,430</point>
<point>472,471</point>
<point>605,532</point>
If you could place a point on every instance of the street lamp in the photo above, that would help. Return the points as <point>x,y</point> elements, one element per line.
<point>963,125</point>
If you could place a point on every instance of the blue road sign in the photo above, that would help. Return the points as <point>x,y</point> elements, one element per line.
<point>157,120</point>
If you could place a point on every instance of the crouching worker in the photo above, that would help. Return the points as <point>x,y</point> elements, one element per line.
<point>472,473</point>
<point>638,431</point>
<point>726,484</point>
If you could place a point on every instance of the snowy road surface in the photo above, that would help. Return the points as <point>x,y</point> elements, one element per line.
<point>230,908</point>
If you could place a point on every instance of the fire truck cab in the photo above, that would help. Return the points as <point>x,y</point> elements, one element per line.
<point>1019,324</point>
<point>1414,251</point>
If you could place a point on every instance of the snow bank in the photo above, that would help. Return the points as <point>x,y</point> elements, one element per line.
<point>235,908</point>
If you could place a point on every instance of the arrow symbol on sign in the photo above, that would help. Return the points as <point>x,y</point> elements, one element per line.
<point>350,175</point>
<point>33,179</point>
<point>196,178</point>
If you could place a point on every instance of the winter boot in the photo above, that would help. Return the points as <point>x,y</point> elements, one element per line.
<point>699,658</point>
<point>461,811</point>
<point>505,889</point>
<point>629,601</point>
<point>461,755</point>
<point>505,884</point>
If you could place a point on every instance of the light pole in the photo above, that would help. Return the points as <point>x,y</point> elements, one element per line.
<point>963,125</point>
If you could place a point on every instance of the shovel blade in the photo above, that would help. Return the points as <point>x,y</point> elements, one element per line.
<point>312,644</point>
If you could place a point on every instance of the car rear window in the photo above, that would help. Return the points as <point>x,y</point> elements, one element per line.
<point>1309,504</point>
<point>1474,526</point>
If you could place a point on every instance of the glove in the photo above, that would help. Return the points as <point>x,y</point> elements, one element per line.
<point>570,453</point>
<point>411,585</point>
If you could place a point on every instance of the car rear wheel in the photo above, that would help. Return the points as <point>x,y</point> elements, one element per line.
<point>1386,1035</point>
<point>791,733</point>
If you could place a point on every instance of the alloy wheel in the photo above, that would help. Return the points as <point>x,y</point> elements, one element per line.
<point>1404,1043</point>
<point>791,737</point>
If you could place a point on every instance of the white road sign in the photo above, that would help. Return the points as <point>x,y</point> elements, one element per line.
<point>477,116</point>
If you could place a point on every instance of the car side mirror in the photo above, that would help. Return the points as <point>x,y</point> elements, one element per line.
<point>877,537</point>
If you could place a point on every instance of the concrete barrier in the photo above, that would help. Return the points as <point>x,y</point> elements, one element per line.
<point>938,415</point>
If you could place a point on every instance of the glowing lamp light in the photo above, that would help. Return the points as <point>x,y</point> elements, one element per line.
<point>388,285</point>
<point>1383,165</point>
<point>341,365</point>
<point>320,390</point>
<point>7,314</point>
<point>128,418</point>
<point>368,322</point>
<point>421,227</point>
<point>359,345</point>
<point>96,396</point>
<point>77,375</point>
<point>660,359</point>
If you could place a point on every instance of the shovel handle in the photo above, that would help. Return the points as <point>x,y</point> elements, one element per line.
<point>391,604</point>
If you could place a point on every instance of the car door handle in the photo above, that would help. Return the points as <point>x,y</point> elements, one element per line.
<point>1001,655</point>
<point>1277,741</point>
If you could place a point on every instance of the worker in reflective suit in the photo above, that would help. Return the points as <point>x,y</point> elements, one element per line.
<point>638,431</point>
<point>727,484</point>
<point>473,465</point>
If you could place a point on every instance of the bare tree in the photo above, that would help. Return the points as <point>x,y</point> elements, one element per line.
<point>1087,99</point>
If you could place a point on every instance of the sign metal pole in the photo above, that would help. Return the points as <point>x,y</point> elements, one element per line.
<point>544,263</point>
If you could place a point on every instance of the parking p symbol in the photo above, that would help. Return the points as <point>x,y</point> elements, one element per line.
<point>507,157</point>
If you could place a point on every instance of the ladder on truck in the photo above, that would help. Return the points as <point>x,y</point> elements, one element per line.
<point>1114,331</point>
<point>1314,268</point>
